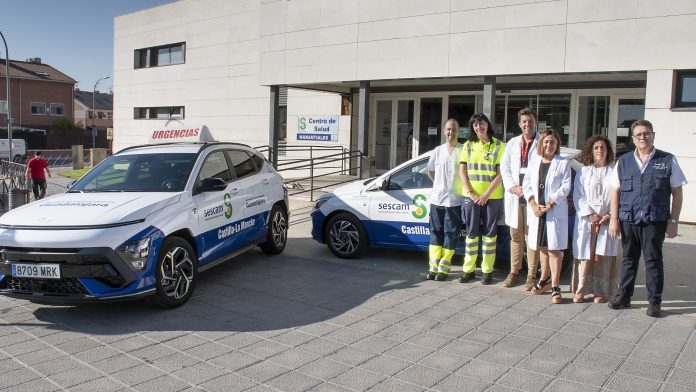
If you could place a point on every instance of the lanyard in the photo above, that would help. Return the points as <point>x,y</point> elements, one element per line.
<point>525,151</point>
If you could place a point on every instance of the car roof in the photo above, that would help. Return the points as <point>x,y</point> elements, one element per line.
<point>173,148</point>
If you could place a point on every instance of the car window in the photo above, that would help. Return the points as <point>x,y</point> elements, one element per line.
<point>242,163</point>
<point>138,173</point>
<point>411,177</point>
<point>215,165</point>
<point>258,161</point>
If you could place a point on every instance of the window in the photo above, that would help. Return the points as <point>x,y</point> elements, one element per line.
<point>685,89</point>
<point>215,165</point>
<point>159,112</point>
<point>56,109</point>
<point>411,177</point>
<point>158,56</point>
<point>3,107</point>
<point>242,163</point>
<point>37,108</point>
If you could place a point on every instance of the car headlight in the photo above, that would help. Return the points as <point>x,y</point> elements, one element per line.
<point>321,201</point>
<point>135,252</point>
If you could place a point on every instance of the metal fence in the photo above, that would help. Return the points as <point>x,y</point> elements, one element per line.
<point>14,188</point>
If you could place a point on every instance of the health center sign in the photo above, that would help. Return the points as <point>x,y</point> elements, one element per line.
<point>317,128</point>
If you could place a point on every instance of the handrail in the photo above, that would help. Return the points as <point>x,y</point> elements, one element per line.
<point>12,176</point>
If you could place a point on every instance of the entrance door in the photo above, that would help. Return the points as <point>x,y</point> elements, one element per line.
<point>625,111</point>
<point>394,129</point>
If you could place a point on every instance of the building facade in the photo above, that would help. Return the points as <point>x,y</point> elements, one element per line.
<point>387,74</point>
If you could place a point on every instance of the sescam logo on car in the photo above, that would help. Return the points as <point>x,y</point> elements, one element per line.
<point>227,199</point>
<point>419,210</point>
<point>420,201</point>
<point>224,208</point>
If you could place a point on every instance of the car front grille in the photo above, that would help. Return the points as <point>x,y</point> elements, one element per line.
<point>64,286</point>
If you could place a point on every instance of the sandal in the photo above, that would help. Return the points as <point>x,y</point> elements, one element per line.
<point>579,298</point>
<point>599,299</point>
<point>542,286</point>
<point>556,297</point>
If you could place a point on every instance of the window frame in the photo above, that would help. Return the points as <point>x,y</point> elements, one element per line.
<point>150,57</point>
<point>678,89</point>
<point>57,105</point>
<point>150,112</point>
<point>3,106</point>
<point>42,112</point>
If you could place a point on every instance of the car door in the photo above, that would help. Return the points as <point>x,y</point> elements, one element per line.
<point>249,188</point>
<point>398,211</point>
<point>215,209</point>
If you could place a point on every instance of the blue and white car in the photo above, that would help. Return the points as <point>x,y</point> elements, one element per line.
<point>390,211</point>
<point>145,222</point>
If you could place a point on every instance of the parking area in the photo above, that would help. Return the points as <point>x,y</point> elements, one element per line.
<point>306,320</point>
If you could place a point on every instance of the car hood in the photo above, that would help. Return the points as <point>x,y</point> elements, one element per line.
<point>351,188</point>
<point>88,209</point>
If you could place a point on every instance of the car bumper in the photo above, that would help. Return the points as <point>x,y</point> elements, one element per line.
<point>318,219</point>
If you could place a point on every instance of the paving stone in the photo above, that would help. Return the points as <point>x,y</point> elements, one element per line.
<point>457,383</point>
<point>571,339</point>
<point>683,377</point>
<point>676,388</point>
<point>611,346</point>
<point>598,360</point>
<point>687,361</point>
<point>38,385</point>
<point>444,361</point>
<point>132,343</point>
<point>570,386</point>
<point>293,338</point>
<point>654,354</point>
<point>538,333</point>
<point>327,387</point>
<point>518,343</point>
<point>235,360</point>
<point>376,344</point>
<point>116,363</point>
<point>386,365</point>
<point>449,330</point>
<point>422,375</point>
<point>582,328</point>
<point>395,385</point>
<point>664,342</point>
<point>429,340</point>
<point>294,381</point>
<point>585,374</point>
<point>592,318</point>
<point>324,369</point>
<point>264,349</point>
<point>482,370</point>
<point>346,335</point>
<point>502,357</point>
<point>40,356</point>
<point>321,346</point>
<point>56,366</point>
<point>103,384</point>
<point>97,354</point>
<point>419,323</point>
<point>321,329</point>
<point>137,375</point>
<point>294,359</point>
<point>228,383</point>
<point>409,352</point>
<point>75,376</point>
<point>464,348</point>
<point>358,378</point>
<point>163,384</point>
<point>25,347</point>
<point>547,322</point>
<point>17,376</point>
<point>529,308</point>
<point>7,365</point>
<point>625,335</point>
<point>351,356</point>
<point>239,340</point>
<point>200,373</point>
<point>263,371</point>
<point>524,380</point>
<point>370,326</point>
<point>174,362</point>
<point>397,332</point>
<point>645,369</point>
<point>627,383</point>
<point>484,311</point>
<point>345,319</point>
<point>483,337</point>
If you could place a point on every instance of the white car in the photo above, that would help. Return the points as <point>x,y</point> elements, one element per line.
<point>391,211</point>
<point>144,222</point>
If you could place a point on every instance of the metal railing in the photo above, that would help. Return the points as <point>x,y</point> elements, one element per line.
<point>12,176</point>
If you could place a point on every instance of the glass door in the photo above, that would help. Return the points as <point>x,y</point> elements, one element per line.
<point>430,135</point>
<point>394,127</point>
<point>627,110</point>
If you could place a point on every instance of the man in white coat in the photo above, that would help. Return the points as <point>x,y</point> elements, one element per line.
<point>513,168</point>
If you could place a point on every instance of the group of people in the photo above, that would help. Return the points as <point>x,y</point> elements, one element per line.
<point>637,198</point>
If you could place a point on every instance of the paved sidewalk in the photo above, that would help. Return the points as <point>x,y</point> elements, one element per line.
<point>307,321</point>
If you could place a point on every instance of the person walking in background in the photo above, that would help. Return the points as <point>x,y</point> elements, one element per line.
<point>513,168</point>
<point>445,203</point>
<point>479,171</point>
<point>546,188</point>
<point>643,183</point>
<point>594,268</point>
<point>35,172</point>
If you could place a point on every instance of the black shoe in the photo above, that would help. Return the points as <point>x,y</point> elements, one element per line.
<point>654,310</point>
<point>466,277</point>
<point>486,278</point>
<point>430,276</point>
<point>619,302</point>
<point>441,277</point>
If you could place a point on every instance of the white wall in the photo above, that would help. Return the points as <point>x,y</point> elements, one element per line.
<point>219,83</point>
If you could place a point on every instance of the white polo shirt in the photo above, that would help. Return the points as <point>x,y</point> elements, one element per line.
<point>446,168</point>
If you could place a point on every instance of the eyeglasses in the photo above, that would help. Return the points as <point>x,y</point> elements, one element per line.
<point>645,135</point>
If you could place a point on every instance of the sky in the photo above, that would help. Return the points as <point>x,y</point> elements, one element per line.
<point>74,36</point>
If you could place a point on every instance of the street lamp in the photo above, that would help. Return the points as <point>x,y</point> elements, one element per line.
<point>9,107</point>
<point>94,114</point>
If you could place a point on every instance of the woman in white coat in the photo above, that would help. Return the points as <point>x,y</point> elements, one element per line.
<point>546,188</point>
<point>594,268</point>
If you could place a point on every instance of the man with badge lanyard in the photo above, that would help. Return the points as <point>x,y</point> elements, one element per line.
<point>513,168</point>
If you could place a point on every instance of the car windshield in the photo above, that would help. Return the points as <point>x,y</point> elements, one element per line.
<point>138,173</point>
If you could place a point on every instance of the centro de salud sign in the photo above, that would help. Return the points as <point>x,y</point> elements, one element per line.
<point>317,128</point>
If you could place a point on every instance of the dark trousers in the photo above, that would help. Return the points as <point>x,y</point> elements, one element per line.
<point>476,216</point>
<point>445,225</point>
<point>648,239</point>
<point>38,187</point>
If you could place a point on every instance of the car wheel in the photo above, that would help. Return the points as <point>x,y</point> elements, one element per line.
<point>277,235</point>
<point>345,236</point>
<point>176,273</point>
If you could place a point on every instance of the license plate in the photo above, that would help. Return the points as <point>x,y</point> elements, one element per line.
<point>42,271</point>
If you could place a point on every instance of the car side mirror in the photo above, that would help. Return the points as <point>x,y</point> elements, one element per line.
<point>385,184</point>
<point>211,184</point>
<point>71,183</point>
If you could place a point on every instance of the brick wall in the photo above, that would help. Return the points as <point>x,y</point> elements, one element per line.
<point>37,91</point>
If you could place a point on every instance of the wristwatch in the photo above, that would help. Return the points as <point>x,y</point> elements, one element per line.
<point>676,222</point>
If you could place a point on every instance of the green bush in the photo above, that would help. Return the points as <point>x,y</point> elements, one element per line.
<point>63,123</point>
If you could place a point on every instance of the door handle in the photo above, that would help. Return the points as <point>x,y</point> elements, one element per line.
<point>234,191</point>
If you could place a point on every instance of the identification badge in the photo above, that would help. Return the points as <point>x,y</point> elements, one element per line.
<point>523,170</point>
